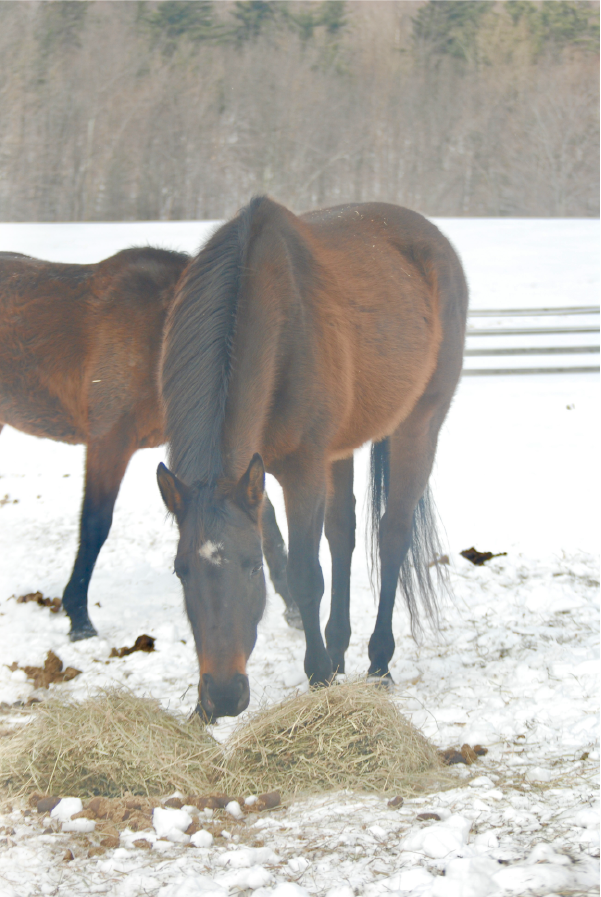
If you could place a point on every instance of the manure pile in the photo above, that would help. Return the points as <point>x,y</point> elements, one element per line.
<point>349,735</point>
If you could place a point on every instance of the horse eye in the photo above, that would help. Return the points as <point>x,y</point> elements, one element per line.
<point>180,570</point>
<point>256,569</point>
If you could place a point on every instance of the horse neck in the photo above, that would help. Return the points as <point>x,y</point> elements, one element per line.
<point>256,354</point>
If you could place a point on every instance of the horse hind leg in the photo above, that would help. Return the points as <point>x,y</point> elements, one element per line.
<point>406,531</point>
<point>340,532</point>
<point>276,557</point>
<point>106,462</point>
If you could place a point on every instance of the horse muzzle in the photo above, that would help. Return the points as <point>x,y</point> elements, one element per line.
<point>223,698</point>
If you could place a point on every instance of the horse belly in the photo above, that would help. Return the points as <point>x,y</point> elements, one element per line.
<point>38,413</point>
<point>391,372</point>
<point>40,391</point>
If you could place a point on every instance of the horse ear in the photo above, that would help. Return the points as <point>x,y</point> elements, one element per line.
<point>251,486</point>
<point>175,494</point>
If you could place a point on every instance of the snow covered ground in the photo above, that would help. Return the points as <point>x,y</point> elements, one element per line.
<point>513,667</point>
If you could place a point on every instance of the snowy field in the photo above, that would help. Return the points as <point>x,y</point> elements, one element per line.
<point>514,666</point>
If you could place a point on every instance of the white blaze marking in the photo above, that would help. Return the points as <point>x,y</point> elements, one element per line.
<point>210,551</point>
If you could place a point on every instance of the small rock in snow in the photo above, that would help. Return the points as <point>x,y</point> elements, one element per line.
<point>47,803</point>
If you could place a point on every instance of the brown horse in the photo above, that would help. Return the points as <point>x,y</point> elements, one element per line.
<point>291,342</point>
<point>79,352</point>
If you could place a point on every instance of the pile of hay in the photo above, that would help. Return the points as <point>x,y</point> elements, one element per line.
<point>108,745</point>
<point>350,735</point>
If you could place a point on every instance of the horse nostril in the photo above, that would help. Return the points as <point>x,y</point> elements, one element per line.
<point>243,688</point>
<point>206,701</point>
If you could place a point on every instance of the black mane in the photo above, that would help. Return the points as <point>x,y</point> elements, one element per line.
<point>196,364</point>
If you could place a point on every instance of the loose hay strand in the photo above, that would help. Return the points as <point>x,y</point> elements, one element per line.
<point>348,736</point>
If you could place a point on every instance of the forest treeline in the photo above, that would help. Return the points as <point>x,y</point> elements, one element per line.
<point>184,110</point>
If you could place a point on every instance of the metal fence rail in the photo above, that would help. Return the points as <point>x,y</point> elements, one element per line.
<point>505,329</point>
<point>533,312</point>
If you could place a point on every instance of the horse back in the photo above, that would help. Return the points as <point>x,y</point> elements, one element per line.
<point>366,305</point>
<point>79,343</point>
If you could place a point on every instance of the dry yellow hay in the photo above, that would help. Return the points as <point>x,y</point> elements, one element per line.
<point>109,744</point>
<point>350,736</point>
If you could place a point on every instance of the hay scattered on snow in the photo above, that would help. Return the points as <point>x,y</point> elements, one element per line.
<point>350,735</point>
<point>109,745</point>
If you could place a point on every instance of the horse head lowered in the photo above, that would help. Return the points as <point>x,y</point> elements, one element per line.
<point>220,565</point>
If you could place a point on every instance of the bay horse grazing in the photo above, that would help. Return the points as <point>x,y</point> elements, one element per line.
<point>79,354</point>
<point>291,342</point>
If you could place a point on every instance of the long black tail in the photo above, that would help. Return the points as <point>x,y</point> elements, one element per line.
<point>416,580</point>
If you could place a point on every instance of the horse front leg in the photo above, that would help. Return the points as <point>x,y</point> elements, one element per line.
<point>276,557</point>
<point>340,532</point>
<point>106,462</point>
<point>305,512</point>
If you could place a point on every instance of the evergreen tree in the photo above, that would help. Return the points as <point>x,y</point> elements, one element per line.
<point>450,27</point>
<point>173,19</point>
<point>61,25</point>
<point>558,25</point>
<point>251,16</point>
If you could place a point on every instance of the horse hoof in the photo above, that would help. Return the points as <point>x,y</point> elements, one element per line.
<point>386,681</point>
<point>293,618</point>
<point>79,633</point>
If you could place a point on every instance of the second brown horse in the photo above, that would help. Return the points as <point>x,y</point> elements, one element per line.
<point>79,354</point>
<point>291,342</point>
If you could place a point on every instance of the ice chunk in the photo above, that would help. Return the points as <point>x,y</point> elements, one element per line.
<point>539,774</point>
<point>66,808</point>
<point>201,839</point>
<point>521,879</point>
<point>164,820</point>
<point>407,880</point>
<point>247,856</point>
<point>289,889</point>
<point>234,809</point>
<point>441,839</point>
<point>79,825</point>
<point>193,886</point>
<point>587,818</point>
